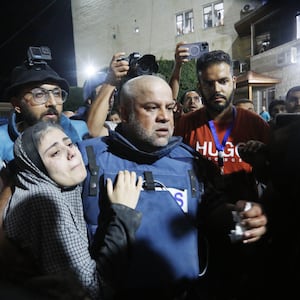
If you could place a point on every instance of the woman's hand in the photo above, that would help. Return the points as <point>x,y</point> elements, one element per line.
<point>126,190</point>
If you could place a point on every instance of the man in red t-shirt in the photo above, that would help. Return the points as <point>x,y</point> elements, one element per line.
<point>216,131</point>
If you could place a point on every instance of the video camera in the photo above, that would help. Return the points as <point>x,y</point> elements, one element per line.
<point>38,55</point>
<point>141,65</point>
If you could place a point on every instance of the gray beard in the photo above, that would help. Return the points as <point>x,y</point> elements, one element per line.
<point>136,134</point>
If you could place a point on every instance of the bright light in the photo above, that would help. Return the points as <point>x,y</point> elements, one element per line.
<point>90,71</point>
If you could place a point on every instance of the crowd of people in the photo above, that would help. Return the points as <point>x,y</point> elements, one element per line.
<point>141,195</point>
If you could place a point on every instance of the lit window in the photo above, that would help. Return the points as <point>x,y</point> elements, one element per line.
<point>185,22</point>
<point>213,15</point>
<point>298,25</point>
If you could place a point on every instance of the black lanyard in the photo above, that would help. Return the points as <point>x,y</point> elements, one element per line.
<point>220,146</point>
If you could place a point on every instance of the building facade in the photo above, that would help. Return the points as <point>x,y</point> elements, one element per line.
<point>261,38</point>
<point>105,27</point>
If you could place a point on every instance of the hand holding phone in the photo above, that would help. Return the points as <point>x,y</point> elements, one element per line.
<point>195,50</point>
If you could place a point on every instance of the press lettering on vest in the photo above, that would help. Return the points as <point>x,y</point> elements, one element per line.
<point>181,198</point>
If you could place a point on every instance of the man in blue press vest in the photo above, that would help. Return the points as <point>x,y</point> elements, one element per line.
<point>177,201</point>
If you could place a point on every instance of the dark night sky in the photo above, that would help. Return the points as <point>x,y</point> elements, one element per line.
<point>27,23</point>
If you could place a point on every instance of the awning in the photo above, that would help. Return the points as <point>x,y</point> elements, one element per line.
<point>252,79</point>
<point>255,79</point>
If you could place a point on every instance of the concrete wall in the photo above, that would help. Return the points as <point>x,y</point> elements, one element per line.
<point>104,27</point>
<point>280,63</point>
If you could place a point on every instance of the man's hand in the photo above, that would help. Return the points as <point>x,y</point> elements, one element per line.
<point>256,154</point>
<point>118,69</point>
<point>253,219</point>
<point>181,54</point>
<point>252,151</point>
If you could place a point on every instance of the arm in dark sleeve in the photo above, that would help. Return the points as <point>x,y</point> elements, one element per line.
<point>113,240</point>
<point>215,213</point>
<point>215,217</point>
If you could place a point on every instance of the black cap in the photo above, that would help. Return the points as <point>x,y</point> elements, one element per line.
<point>36,73</point>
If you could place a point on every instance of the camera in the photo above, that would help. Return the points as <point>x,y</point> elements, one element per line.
<point>38,55</point>
<point>138,65</point>
<point>141,65</point>
<point>196,49</point>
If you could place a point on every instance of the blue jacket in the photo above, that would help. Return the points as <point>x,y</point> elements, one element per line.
<point>165,252</point>
<point>76,130</point>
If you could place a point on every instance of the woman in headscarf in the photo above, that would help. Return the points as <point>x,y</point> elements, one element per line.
<point>44,216</point>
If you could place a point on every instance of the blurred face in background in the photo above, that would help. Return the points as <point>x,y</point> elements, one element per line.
<point>246,105</point>
<point>277,109</point>
<point>293,102</point>
<point>114,117</point>
<point>192,101</point>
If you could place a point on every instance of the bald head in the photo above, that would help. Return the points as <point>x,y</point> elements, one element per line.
<point>140,86</point>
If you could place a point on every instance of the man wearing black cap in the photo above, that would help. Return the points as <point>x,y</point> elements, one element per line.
<point>36,92</point>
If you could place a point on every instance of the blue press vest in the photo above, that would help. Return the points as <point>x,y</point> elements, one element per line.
<point>166,246</point>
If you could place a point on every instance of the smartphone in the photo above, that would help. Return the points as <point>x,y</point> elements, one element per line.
<point>284,119</point>
<point>196,49</point>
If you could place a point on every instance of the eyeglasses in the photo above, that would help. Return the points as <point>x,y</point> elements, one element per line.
<point>41,96</point>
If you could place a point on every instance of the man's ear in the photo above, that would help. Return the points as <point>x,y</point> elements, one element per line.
<point>199,88</point>
<point>124,113</point>
<point>16,104</point>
